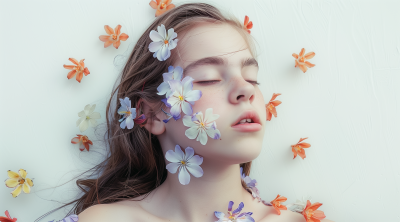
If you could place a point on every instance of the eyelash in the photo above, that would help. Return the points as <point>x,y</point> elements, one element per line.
<point>212,81</point>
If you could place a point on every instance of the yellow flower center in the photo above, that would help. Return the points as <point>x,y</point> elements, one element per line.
<point>231,216</point>
<point>21,181</point>
<point>84,139</point>
<point>165,41</point>
<point>79,68</point>
<point>162,6</point>
<point>180,98</point>
<point>87,117</point>
<point>309,213</point>
<point>270,106</point>
<point>114,37</point>
<point>183,162</point>
<point>298,148</point>
<point>202,124</point>
<point>301,59</point>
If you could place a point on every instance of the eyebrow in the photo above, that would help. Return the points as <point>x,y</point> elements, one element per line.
<point>215,60</point>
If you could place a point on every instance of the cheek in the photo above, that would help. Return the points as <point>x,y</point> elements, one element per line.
<point>211,98</point>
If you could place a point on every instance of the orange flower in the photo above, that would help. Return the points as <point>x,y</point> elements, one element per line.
<point>247,25</point>
<point>270,107</point>
<point>298,148</point>
<point>311,214</point>
<point>83,142</point>
<point>113,38</point>
<point>79,69</point>
<point>161,6</point>
<point>276,203</point>
<point>8,218</point>
<point>301,60</point>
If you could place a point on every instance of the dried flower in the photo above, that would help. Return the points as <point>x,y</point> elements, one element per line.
<point>7,218</point>
<point>276,203</point>
<point>161,6</point>
<point>270,106</point>
<point>113,37</point>
<point>79,69</point>
<point>87,115</point>
<point>311,214</point>
<point>19,181</point>
<point>247,25</point>
<point>298,148</point>
<point>300,60</point>
<point>83,142</point>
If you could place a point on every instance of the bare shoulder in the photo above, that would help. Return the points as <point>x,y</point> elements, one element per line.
<point>114,212</point>
<point>287,216</point>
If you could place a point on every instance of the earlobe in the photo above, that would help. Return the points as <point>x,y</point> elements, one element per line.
<point>153,124</point>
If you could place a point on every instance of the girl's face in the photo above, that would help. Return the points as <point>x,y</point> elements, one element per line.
<point>217,57</point>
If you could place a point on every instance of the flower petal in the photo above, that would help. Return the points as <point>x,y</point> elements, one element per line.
<point>179,152</point>
<point>240,207</point>
<point>16,191</point>
<point>108,43</point>
<point>12,182</point>
<point>95,115</point>
<point>156,37</point>
<point>309,55</point>
<point>230,205</point>
<point>123,37</point>
<point>117,44</point>
<point>129,122</point>
<point>69,66</point>
<point>79,76</point>
<point>122,125</point>
<point>118,30</point>
<point>161,31</point>
<point>189,152</point>
<point>187,108</point>
<point>83,125</point>
<point>173,157</point>
<point>209,116</point>
<point>195,170</point>
<point>163,88</point>
<point>23,173</point>
<point>184,176</point>
<point>193,95</point>
<point>93,122</point>
<point>196,160</point>
<point>71,74</point>
<point>192,132</point>
<point>187,121</point>
<point>104,38</point>
<point>12,174</point>
<point>73,61</point>
<point>219,215</point>
<point>202,137</point>
<point>26,188</point>
<point>176,110</point>
<point>173,167</point>
<point>109,30</point>
<point>171,34</point>
<point>302,52</point>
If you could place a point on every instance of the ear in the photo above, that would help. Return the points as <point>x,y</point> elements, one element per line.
<point>154,124</point>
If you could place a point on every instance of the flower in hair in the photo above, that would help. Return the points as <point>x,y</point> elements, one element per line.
<point>161,6</point>
<point>79,69</point>
<point>182,98</point>
<point>247,25</point>
<point>202,127</point>
<point>19,181</point>
<point>311,214</point>
<point>300,60</point>
<point>172,74</point>
<point>270,106</point>
<point>129,114</point>
<point>8,218</point>
<point>163,42</point>
<point>113,37</point>
<point>184,162</point>
<point>234,216</point>
<point>299,148</point>
<point>276,203</point>
<point>251,185</point>
<point>87,117</point>
<point>299,205</point>
<point>83,142</point>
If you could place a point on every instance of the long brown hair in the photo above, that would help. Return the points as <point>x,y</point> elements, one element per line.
<point>135,165</point>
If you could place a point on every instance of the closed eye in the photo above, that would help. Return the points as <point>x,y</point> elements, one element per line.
<point>215,81</point>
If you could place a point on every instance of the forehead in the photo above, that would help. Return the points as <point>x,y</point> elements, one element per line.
<point>207,40</point>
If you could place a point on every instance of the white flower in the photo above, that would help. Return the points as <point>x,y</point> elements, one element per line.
<point>185,162</point>
<point>201,127</point>
<point>87,115</point>
<point>162,42</point>
<point>172,74</point>
<point>299,205</point>
<point>129,113</point>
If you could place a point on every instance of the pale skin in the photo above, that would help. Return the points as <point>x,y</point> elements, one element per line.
<point>231,89</point>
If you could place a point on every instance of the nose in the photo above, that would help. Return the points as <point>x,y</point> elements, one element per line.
<point>241,91</point>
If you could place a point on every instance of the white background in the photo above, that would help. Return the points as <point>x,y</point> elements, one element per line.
<point>348,104</point>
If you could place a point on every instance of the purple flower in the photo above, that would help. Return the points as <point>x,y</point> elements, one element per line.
<point>128,112</point>
<point>71,218</point>
<point>183,97</point>
<point>185,162</point>
<point>234,216</point>
<point>172,74</point>
<point>251,184</point>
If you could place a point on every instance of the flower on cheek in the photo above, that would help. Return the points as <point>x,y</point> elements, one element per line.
<point>234,216</point>
<point>301,60</point>
<point>79,69</point>
<point>184,162</point>
<point>183,97</point>
<point>162,43</point>
<point>162,6</point>
<point>83,142</point>
<point>87,116</point>
<point>202,127</point>
<point>276,203</point>
<point>299,148</point>
<point>270,107</point>
<point>172,74</point>
<point>311,214</point>
<point>113,38</point>
<point>19,181</point>
<point>8,218</point>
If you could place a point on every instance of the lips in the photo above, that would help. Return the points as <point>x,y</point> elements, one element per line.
<point>252,126</point>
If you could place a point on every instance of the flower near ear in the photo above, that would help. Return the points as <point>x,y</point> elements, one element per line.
<point>87,115</point>
<point>113,37</point>
<point>247,25</point>
<point>183,97</point>
<point>184,162</point>
<point>270,106</point>
<point>276,203</point>
<point>234,216</point>
<point>83,142</point>
<point>162,43</point>
<point>300,60</point>
<point>172,74</point>
<point>201,127</point>
<point>299,148</point>
<point>7,218</point>
<point>19,181</point>
<point>311,214</point>
<point>251,185</point>
<point>129,114</point>
<point>161,6</point>
<point>79,69</point>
